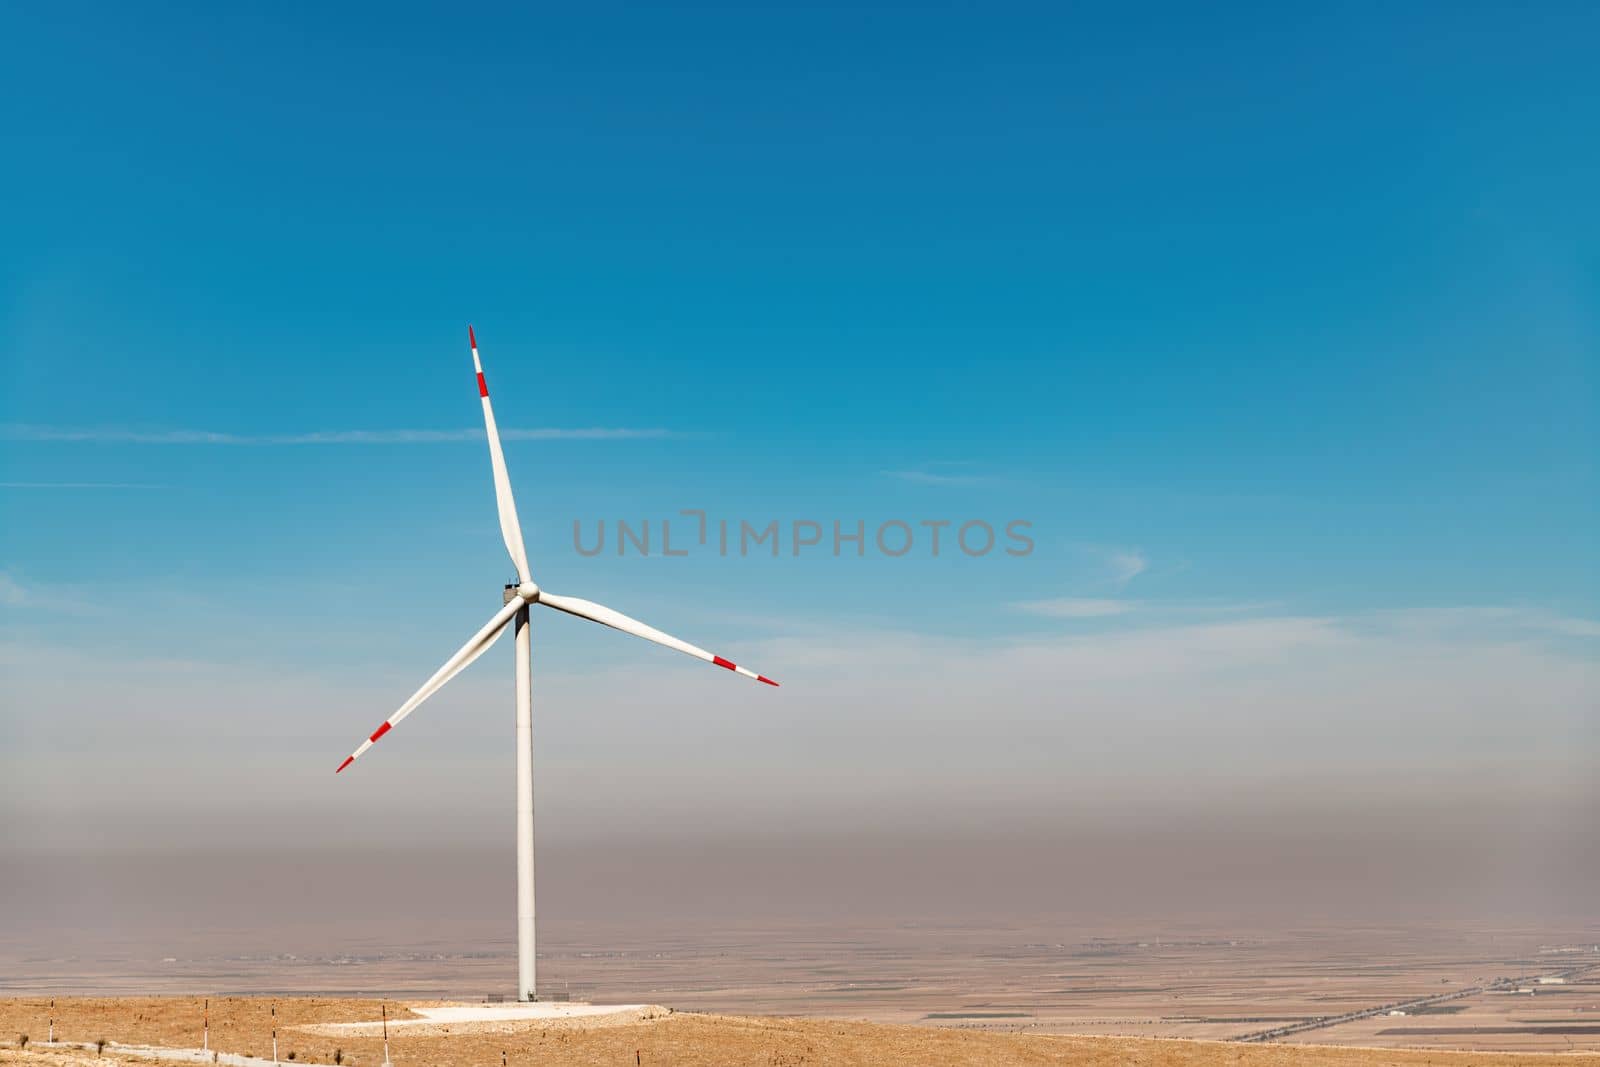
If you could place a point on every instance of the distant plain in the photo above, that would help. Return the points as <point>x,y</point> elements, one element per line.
<point>1040,976</point>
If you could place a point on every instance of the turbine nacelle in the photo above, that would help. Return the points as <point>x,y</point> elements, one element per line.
<point>524,592</point>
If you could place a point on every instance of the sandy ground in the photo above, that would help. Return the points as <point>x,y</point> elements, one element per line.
<point>244,1025</point>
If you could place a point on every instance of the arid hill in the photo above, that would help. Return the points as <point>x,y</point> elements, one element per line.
<point>244,1025</point>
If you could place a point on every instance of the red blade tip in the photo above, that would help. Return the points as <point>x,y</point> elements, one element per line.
<point>347,761</point>
<point>764,678</point>
<point>472,336</point>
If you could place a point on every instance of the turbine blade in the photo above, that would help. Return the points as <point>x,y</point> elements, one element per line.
<point>588,609</point>
<point>477,646</point>
<point>510,528</point>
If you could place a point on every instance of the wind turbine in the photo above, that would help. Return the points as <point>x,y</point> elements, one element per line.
<point>518,598</point>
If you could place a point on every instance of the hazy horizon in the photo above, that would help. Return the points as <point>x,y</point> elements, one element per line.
<point>1405,761</point>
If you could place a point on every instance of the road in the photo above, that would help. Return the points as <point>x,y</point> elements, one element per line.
<point>1408,1006</point>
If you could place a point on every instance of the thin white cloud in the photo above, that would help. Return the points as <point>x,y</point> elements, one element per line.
<point>31,598</point>
<point>943,472</point>
<point>106,435</point>
<point>926,477</point>
<point>1574,627</point>
<point>1150,611</point>
<point>80,485</point>
<point>1467,621</point>
<point>1127,564</point>
<point>1479,618</point>
<point>1072,607</point>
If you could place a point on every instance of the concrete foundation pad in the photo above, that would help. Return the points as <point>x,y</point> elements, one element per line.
<point>438,1018</point>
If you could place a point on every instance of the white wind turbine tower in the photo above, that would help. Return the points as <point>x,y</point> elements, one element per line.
<point>517,600</point>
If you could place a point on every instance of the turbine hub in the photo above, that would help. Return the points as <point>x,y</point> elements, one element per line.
<point>528,591</point>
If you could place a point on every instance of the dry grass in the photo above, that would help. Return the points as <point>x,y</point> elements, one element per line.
<point>243,1024</point>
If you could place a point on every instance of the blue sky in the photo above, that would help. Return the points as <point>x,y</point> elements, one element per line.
<point>1252,313</point>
